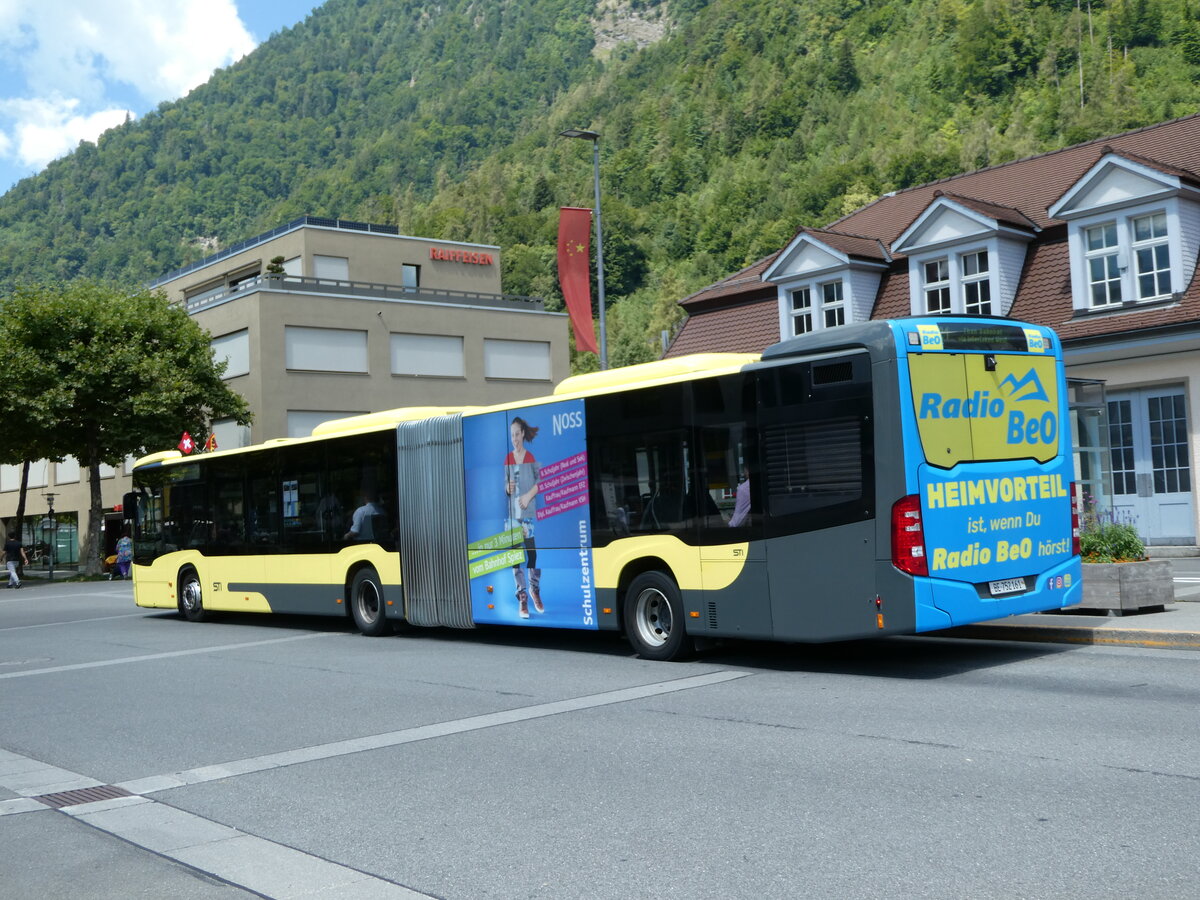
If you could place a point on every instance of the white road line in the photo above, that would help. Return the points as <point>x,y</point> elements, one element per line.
<point>102,663</point>
<point>241,859</point>
<point>245,860</point>
<point>76,621</point>
<point>156,783</point>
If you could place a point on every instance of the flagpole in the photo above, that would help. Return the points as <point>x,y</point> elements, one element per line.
<point>594,137</point>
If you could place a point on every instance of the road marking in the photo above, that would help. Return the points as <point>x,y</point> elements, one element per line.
<point>74,621</point>
<point>1187,580</point>
<point>125,660</point>
<point>255,863</point>
<point>236,767</point>
<point>233,856</point>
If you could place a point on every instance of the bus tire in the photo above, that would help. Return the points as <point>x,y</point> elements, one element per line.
<point>653,614</point>
<point>191,597</point>
<point>366,603</point>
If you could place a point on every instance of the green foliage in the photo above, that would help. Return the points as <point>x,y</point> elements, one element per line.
<point>1104,541</point>
<point>98,372</point>
<point>746,121</point>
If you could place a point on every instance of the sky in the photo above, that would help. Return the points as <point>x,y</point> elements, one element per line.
<point>71,69</point>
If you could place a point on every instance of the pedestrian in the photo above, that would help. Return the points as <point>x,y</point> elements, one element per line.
<point>124,554</point>
<point>14,552</point>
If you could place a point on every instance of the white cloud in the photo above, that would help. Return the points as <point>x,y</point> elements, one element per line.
<point>72,53</point>
<point>47,129</point>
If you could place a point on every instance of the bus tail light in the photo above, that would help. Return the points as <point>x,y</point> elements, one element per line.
<point>1076,550</point>
<point>908,536</point>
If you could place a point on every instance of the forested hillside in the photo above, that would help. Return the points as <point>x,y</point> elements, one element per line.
<point>726,126</point>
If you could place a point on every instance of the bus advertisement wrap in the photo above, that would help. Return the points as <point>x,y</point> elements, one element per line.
<point>1004,514</point>
<point>528,524</point>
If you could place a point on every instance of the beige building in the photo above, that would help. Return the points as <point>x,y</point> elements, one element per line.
<point>360,319</point>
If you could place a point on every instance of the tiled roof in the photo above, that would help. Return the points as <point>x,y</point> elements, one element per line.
<point>1032,184</point>
<point>739,312</point>
<point>850,244</point>
<point>742,328</point>
<point>1006,214</point>
<point>748,280</point>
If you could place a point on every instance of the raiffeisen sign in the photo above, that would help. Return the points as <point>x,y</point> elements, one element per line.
<point>471,257</point>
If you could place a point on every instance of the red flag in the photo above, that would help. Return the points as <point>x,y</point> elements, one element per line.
<point>574,228</point>
<point>186,444</point>
<point>211,444</point>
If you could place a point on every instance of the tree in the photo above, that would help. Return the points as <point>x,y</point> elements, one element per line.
<point>99,372</point>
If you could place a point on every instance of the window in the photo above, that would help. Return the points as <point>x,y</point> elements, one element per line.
<point>522,360</point>
<point>229,434</point>
<point>937,286</point>
<point>1152,256</point>
<point>802,311</point>
<point>818,305</point>
<point>410,276</point>
<point>977,287</point>
<point>1103,264</point>
<point>427,354</point>
<point>292,267</point>
<point>233,349</point>
<point>336,268</point>
<point>301,422</point>
<point>1108,250</point>
<point>325,349</point>
<point>67,471</point>
<point>832,304</point>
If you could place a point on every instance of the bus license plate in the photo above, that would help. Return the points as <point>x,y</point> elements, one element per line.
<point>1006,586</point>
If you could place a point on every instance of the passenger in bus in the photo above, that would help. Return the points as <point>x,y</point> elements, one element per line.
<point>741,504</point>
<point>369,522</point>
<point>521,490</point>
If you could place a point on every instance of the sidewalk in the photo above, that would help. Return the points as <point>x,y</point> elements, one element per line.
<point>1177,627</point>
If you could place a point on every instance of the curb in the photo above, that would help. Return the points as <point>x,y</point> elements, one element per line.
<point>1068,634</point>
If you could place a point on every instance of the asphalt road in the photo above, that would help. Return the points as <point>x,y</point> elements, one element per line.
<point>292,757</point>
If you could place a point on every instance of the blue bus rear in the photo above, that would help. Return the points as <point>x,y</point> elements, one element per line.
<point>988,528</point>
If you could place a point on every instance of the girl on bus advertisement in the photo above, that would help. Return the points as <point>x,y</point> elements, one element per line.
<point>528,528</point>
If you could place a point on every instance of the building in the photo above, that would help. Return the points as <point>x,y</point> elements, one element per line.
<point>351,318</point>
<point>1099,241</point>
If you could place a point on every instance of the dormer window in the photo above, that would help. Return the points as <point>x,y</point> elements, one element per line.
<point>937,285</point>
<point>826,279</point>
<point>976,284</point>
<point>801,311</point>
<point>830,309</point>
<point>1130,232</point>
<point>1152,253</point>
<point>960,283</point>
<point>833,303</point>
<point>964,256</point>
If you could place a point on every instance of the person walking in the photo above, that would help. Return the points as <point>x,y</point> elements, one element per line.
<point>14,552</point>
<point>124,554</point>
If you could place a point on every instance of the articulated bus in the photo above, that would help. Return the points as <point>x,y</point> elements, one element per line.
<point>891,477</point>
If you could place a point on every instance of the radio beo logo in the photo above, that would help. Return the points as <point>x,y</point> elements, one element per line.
<point>982,405</point>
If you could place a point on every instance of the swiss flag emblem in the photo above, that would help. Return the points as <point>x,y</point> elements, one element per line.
<point>186,444</point>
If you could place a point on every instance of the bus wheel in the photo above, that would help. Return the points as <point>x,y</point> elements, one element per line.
<point>654,618</point>
<point>366,603</point>
<point>191,597</point>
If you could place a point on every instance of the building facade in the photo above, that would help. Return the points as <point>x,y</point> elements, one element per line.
<point>1100,241</point>
<point>321,319</point>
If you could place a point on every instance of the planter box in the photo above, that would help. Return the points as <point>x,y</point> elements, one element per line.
<point>1128,586</point>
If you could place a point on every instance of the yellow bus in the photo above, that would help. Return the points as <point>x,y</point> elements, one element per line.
<point>885,478</point>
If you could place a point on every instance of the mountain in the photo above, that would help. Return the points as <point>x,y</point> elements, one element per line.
<point>725,125</point>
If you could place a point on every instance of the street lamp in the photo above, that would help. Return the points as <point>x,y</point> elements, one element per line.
<point>594,137</point>
<point>53,530</point>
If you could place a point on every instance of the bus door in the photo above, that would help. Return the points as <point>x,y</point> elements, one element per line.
<point>733,557</point>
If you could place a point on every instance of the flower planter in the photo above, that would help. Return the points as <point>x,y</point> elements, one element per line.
<point>1127,586</point>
